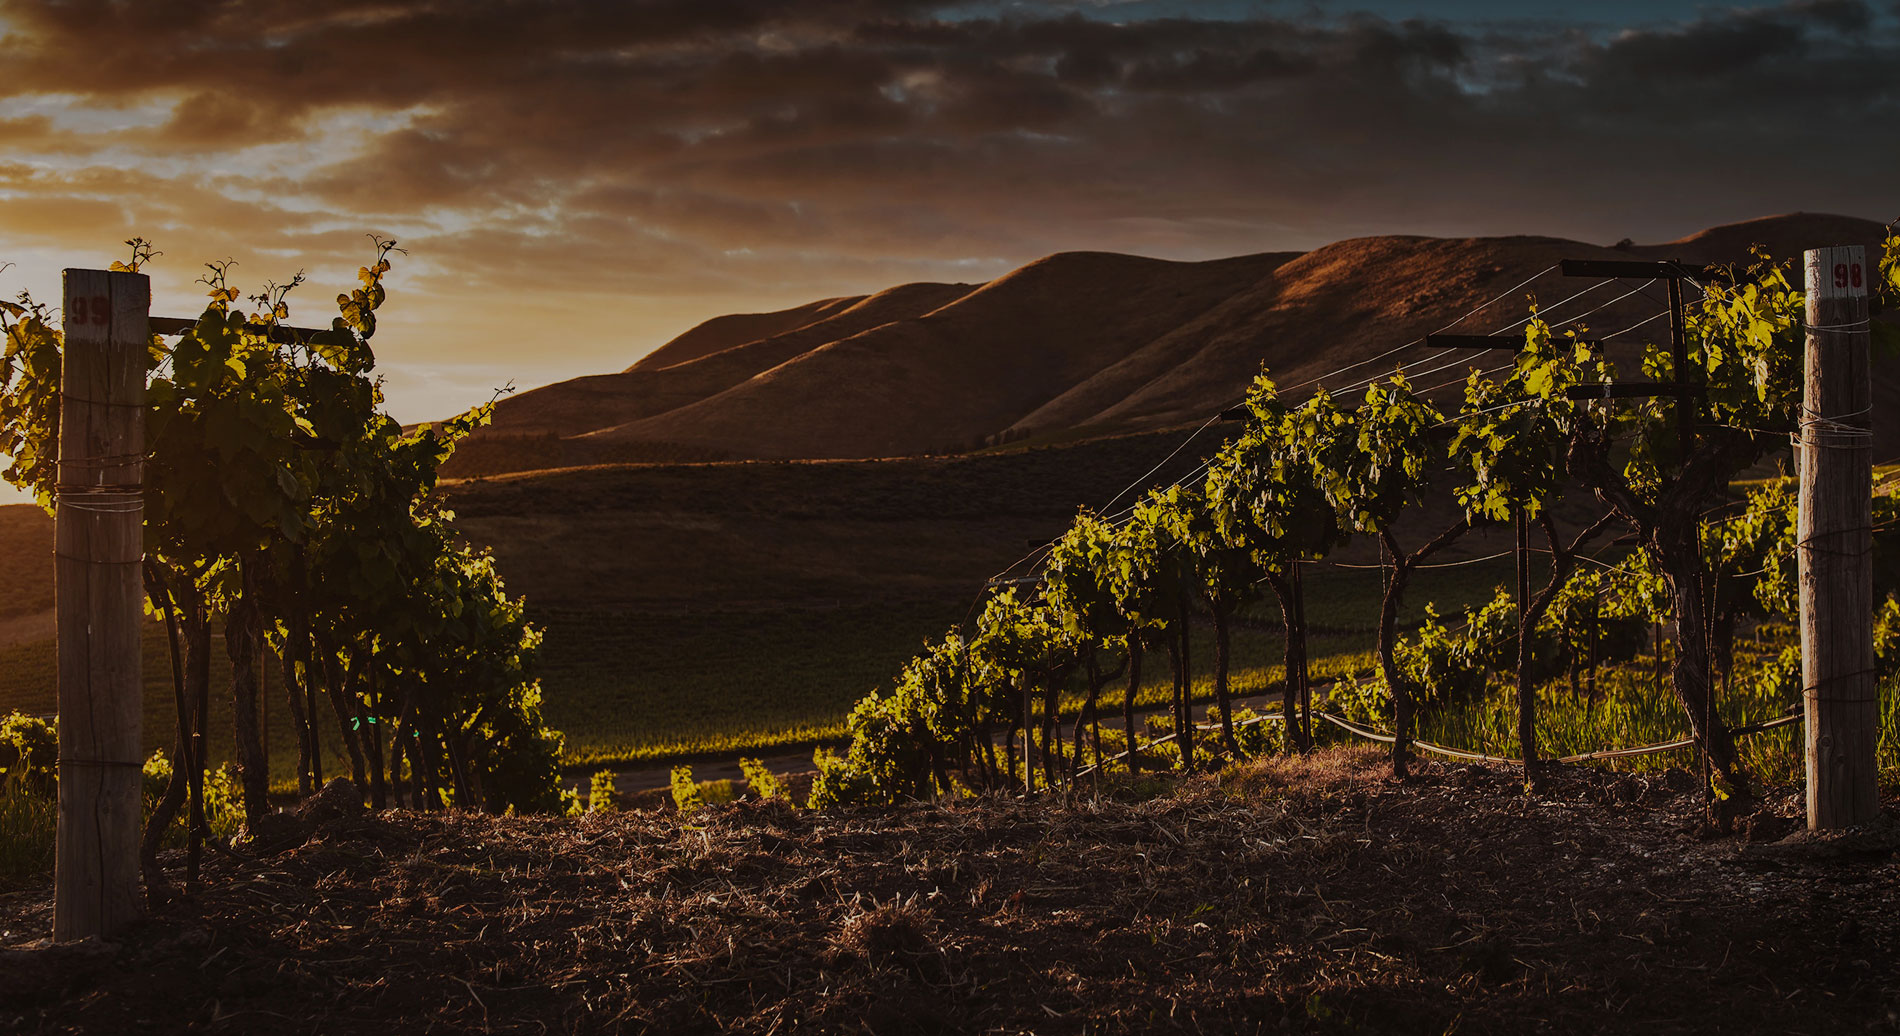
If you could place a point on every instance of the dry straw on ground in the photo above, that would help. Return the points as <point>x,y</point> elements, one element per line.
<point>1290,896</point>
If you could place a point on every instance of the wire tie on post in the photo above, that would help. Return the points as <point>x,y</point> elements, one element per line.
<point>140,405</point>
<point>97,490</point>
<point>140,560</point>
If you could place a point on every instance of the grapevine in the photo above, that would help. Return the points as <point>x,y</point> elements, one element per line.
<point>281,502</point>
<point>1299,481</point>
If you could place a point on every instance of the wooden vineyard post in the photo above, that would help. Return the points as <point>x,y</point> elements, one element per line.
<point>99,543</point>
<point>1834,538</point>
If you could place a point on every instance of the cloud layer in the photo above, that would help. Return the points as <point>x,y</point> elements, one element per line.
<point>591,176</point>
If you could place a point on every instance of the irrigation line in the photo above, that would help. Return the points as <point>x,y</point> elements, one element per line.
<point>1374,734</point>
<point>1610,753</point>
<point>1166,738</point>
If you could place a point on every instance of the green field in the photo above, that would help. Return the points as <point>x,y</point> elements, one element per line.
<point>631,687</point>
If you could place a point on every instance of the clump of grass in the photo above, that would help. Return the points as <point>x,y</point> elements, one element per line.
<point>26,835</point>
<point>600,792</point>
<point>1631,708</point>
<point>1889,750</point>
<point>717,793</point>
<point>29,815</point>
<point>224,800</point>
<point>686,795</point>
<point>1322,774</point>
<point>29,748</point>
<point>762,783</point>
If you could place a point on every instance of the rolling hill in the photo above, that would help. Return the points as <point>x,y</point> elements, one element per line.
<point>1078,345</point>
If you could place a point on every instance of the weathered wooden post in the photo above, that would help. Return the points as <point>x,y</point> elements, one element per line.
<point>1834,537</point>
<point>99,543</point>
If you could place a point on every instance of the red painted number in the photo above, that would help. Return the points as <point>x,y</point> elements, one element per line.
<point>82,310</point>
<point>1848,275</point>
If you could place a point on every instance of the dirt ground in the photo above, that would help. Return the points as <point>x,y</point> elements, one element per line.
<point>1306,896</point>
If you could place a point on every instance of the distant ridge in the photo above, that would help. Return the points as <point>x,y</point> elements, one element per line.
<point>1070,346</point>
<point>737,329</point>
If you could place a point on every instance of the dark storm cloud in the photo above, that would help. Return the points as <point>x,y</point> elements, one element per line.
<point>1718,50</point>
<point>1842,15</point>
<point>691,140</point>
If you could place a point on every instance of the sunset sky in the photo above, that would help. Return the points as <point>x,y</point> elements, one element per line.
<point>576,182</point>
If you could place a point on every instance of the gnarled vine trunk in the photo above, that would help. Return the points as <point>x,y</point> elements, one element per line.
<point>1395,580</point>
<point>1051,730</point>
<point>1397,576</point>
<point>178,788</point>
<point>1128,703</point>
<point>1563,559</point>
<point>336,678</point>
<point>241,630</point>
<point>1222,657</point>
<point>373,747</point>
<point>1183,720</point>
<point>1670,530</point>
<point>293,693</point>
<point>1293,685</point>
<point>1090,718</point>
<point>1689,670</point>
<point>302,696</point>
<point>196,626</point>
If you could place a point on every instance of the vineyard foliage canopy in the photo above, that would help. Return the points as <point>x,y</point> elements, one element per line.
<point>282,503</point>
<point>1302,479</point>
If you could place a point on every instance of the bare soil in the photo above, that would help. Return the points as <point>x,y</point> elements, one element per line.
<point>1306,896</point>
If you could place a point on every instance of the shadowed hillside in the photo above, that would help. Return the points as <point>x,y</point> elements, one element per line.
<point>1081,344</point>
<point>945,380</point>
<point>548,426</point>
<point>738,329</point>
<point>830,321</point>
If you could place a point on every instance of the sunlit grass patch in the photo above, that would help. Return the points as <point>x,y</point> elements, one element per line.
<point>1322,773</point>
<point>26,835</point>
